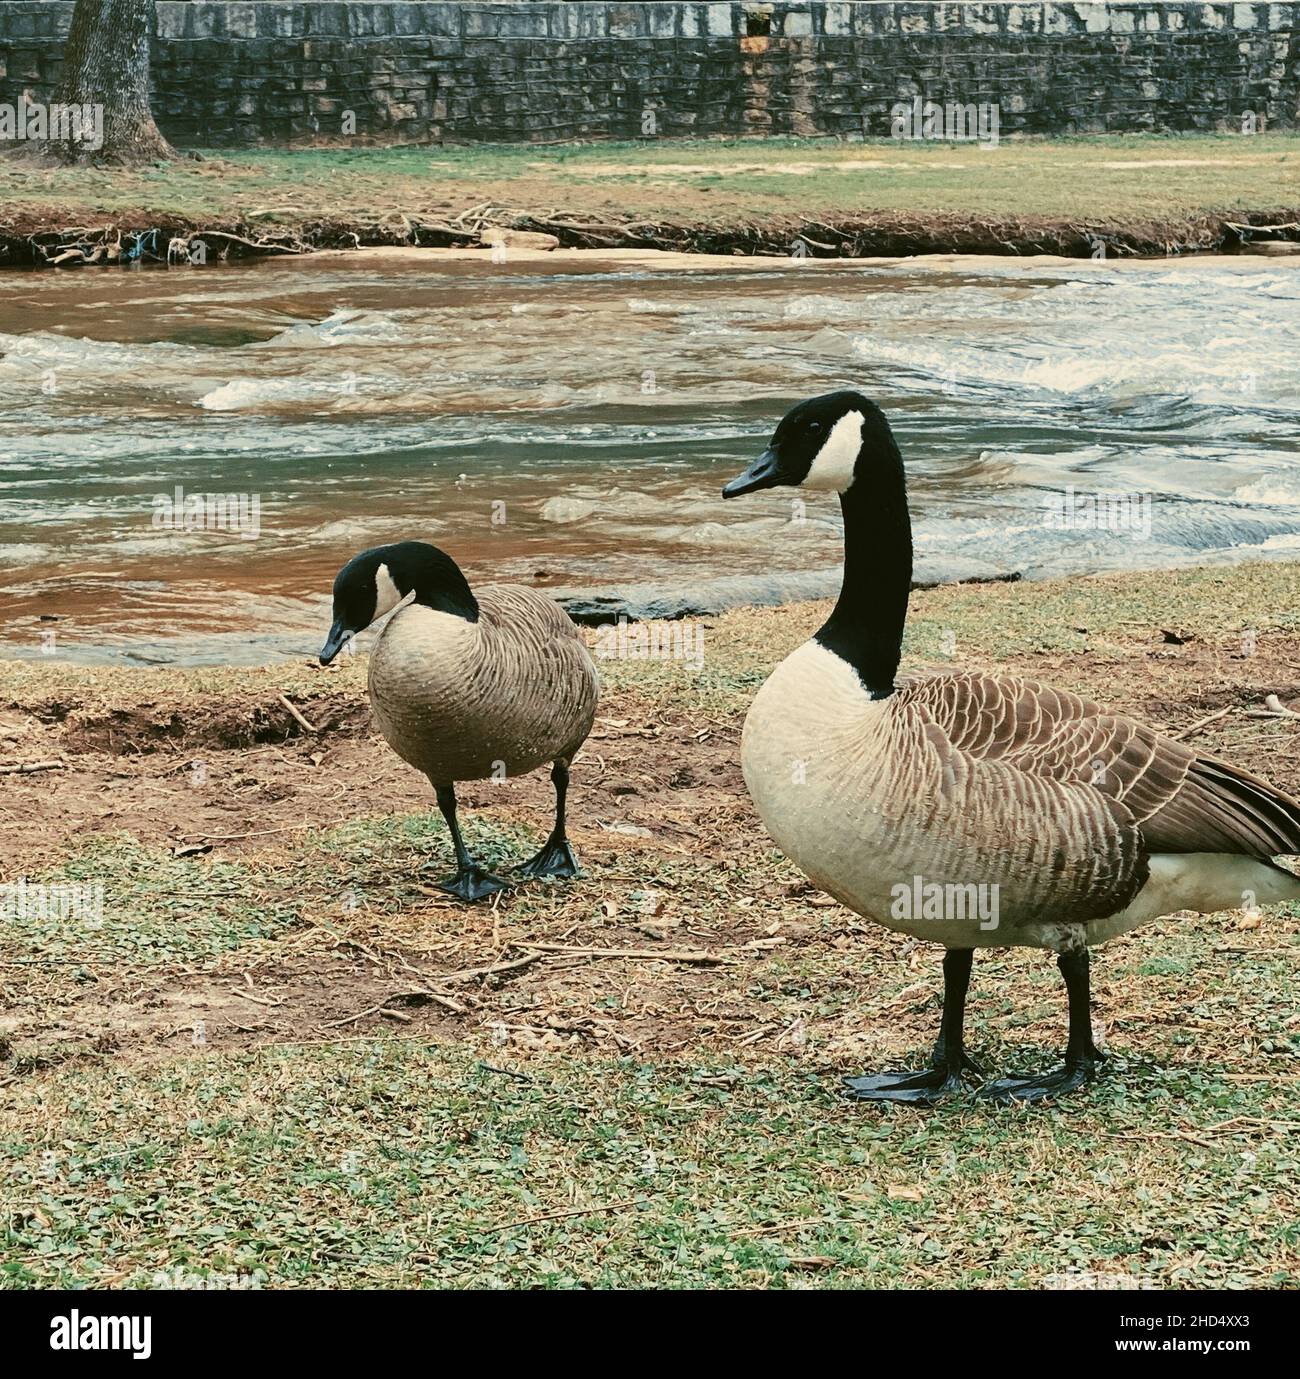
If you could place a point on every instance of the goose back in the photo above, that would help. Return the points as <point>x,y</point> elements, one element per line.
<point>464,700</point>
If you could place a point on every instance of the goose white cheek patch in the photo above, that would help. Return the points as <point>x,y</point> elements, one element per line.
<point>833,467</point>
<point>387,596</point>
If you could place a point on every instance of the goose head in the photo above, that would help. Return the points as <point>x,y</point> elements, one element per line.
<point>376,581</point>
<point>829,443</point>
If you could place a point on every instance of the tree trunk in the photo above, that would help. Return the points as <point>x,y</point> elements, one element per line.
<point>106,69</point>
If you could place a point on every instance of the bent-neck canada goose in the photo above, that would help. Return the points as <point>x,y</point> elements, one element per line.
<point>468,687</point>
<point>1083,824</point>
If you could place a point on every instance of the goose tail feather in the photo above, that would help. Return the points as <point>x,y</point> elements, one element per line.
<point>1222,808</point>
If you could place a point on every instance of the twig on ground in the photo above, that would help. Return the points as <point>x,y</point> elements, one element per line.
<point>1155,1135</point>
<point>777,1226</point>
<point>26,768</point>
<point>1202,723</point>
<point>506,1072</point>
<point>379,1008</point>
<point>469,973</point>
<point>249,996</point>
<point>262,832</point>
<point>297,713</point>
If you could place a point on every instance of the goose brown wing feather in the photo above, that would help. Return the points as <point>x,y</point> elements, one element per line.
<point>461,701</point>
<point>1061,851</point>
<point>1181,801</point>
<point>1221,808</point>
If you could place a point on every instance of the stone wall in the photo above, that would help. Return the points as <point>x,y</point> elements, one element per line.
<point>287,73</point>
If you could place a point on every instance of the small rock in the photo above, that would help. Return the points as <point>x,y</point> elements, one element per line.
<point>495,235</point>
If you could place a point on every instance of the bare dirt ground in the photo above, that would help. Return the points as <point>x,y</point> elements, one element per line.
<point>683,896</point>
<point>645,771</point>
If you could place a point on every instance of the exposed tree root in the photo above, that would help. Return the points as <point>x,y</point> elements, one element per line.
<point>888,234</point>
<point>81,246</point>
<point>163,238</point>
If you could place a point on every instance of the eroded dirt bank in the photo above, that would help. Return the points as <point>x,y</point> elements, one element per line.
<point>39,237</point>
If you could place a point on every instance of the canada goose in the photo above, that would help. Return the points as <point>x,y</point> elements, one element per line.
<point>1078,824</point>
<point>466,687</point>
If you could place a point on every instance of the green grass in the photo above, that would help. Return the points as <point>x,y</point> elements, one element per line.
<point>997,621</point>
<point>159,909</point>
<point>383,1162</point>
<point>399,1165</point>
<point>156,908</point>
<point>1136,177</point>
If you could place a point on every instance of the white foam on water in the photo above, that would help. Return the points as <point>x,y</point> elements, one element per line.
<point>24,553</point>
<point>244,393</point>
<point>350,326</point>
<point>372,530</point>
<point>44,365</point>
<point>815,307</point>
<point>1213,335</point>
<point>1279,490</point>
<point>644,306</point>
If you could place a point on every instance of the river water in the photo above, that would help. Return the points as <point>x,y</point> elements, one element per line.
<point>568,420</point>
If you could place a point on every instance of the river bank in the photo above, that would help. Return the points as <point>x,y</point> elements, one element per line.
<point>1122,195</point>
<point>286,1006</point>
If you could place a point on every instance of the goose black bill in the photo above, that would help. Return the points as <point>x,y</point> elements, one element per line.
<point>334,643</point>
<point>765,472</point>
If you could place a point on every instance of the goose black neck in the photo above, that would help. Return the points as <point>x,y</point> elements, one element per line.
<point>866,626</point>
<point>449,597</point>
<point>436,579</point>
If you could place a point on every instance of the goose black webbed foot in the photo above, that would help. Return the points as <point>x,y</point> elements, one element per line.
<point>471,883</point>
<point>936,1083</point>
<point>1082,1057</point>
<point>1072,1075</point>
<point>943,1078</point>
<point>556,859</point>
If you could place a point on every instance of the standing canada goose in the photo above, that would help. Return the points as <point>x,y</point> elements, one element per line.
<point>1076,824</point>
<point>466,687</point>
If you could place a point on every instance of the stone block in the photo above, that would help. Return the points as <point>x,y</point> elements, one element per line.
<point>718,20</point>
<point>240,21</point>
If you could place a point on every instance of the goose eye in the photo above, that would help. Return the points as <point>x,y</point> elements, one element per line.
<point>814,426</point>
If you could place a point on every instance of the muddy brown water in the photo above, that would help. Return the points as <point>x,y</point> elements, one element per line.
<point>568,420</point>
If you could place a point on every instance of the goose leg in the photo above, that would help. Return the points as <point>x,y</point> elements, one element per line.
<point>471,881</point>
<point>556,857</point>
<point>944,1075</point>
<point>1082,1056</point>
